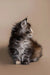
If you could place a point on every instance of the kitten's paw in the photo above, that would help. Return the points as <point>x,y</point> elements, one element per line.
<point>18,62</point>
<point>25,62</point>
<point>34,60</point>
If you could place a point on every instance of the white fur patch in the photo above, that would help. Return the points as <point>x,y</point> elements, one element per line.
<point>18,62</point>
<point>24,44</point>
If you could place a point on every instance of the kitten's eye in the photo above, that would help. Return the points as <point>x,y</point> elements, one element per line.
<point>27,32</point>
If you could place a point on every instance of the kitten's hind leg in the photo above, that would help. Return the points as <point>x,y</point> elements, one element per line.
<point>36,55</point>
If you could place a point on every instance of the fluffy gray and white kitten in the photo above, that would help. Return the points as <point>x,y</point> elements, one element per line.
<point>21,45</point>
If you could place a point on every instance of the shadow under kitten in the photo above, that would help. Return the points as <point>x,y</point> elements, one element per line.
<point>4,56</point>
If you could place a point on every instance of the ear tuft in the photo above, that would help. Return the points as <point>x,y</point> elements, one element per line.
<point>25,19</point>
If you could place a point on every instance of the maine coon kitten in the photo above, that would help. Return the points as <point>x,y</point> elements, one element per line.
<point>21,45</point>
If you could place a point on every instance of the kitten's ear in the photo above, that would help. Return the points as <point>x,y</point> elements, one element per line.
<point>24,22</point>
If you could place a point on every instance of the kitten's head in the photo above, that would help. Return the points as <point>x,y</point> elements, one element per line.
<point>24,28</point>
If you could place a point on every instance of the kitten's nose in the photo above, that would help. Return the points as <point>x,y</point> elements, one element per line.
<point>31,30</point>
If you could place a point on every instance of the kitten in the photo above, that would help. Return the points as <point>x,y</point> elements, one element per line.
<point>21,45</point>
